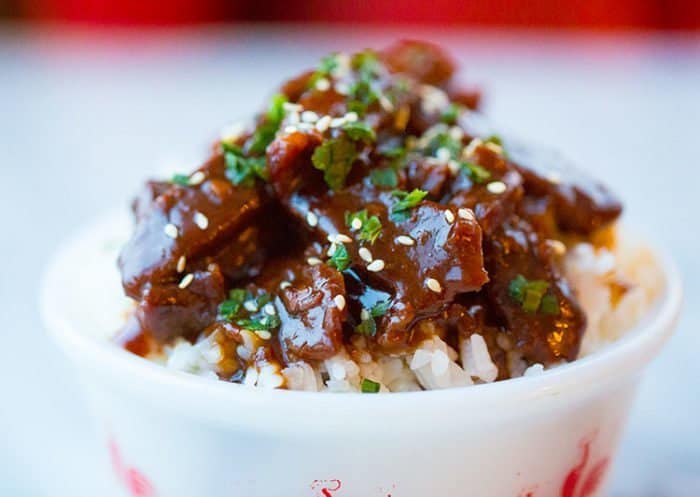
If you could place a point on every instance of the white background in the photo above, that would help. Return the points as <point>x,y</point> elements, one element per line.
<point>85,117</point>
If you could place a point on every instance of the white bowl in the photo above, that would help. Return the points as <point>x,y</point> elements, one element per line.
<point>172,434</point>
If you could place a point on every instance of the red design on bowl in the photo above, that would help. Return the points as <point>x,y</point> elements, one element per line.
<point>584,479</point>
<point>325,488</point>
<point>134,480</point>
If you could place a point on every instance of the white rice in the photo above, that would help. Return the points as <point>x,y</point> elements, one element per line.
<point>435,365</point>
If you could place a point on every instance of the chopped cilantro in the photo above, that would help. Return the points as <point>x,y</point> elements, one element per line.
<point>265,133</point>
<point>243,170</point>
<point>180,179</point>
<point>550,305</point>
<point>379,309</point>
<point>451,113</point>
<point>334,157</point>
<point>363,91</point>
<point>230,307</point>
<point>530,294</point>
<point>477,173</point>
<point>391,149</point>
<point>326,66</point>
<point>384,177</point>
<point>360,131</point>
<point>367,327</point>
<point>259,323</point>
<point>340,258</point>
<point>369,386</point>
<point>371,225</point>
<point>406,202</point>
<point>494,139</point>
<point>444,140</point>
<point>233,310</point>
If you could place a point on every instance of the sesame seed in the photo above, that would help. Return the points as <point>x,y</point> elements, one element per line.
<point>201,220</point>
<point>337,122</point>
<point>496,187</point>
<point>309,116</point>
<point>554,177</point>
<point>375,266</point>
<point>465,213</point>
<point>405,240</point>
<point>290,129</point>
<point>332,249</point>
<point>339,302</point>
<point>323,124</point>
<point>494,147</point>
<point>342,88</point>
<point>557,246</point>
<point>197,178</point>
<point>290,107</point>
<point>313,261</point>
<point>269,309</point>
<point>456,133</point>
<point>181,262</point>
<point>264,334</point>
<point>250,306</point>
<point>364,315</point>
<point>449,217</point>
<point>469,150</point>
<point>185,282</point>
<point>284,285</point>
<point>323,84</point>
<point>233,132</point>
<point>433,285</point>
<point>356,223</point>
<point>171,230</point>
<point>351,117</point>
<point>293,118</point>
<point>305,126</point>
<point>365,254</point>
<point>386,104</point>
<point>443,154</point>
<point>312,219</point>
<point>453,166</point>
<point>341,238</point>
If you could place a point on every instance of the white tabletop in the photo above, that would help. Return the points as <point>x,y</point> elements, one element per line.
<point>84,119</point>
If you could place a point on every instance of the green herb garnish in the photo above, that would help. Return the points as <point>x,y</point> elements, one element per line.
<point>407,201</point>
<point>325,68</point>
<point>340,258</point>
<point>385,177</point>
<point>368,326</point>
<point>260,323</point>
<point>362,91</point>
<point>444,140</point>
<point>335,157</point>
<point>379,309</point>
<point>371,225</point>
<point>391,149</point>
<point>451,113</point>
<point>494,139</point>
<point>243,170</point>
<point>266,131</point>
<point>369,386</point>
<point>360,131</point>
<point>477,173</point>
<point>532,295</point>
<point>180,179</point>
<point>230,307</point>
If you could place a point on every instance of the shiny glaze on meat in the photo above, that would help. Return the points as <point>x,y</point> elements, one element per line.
<point>444,265</point>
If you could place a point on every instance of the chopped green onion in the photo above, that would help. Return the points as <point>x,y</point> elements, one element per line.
<point>407,201</point>
<point>386,177</point>
<point>530,294</point>
<point>367,327</point>
<point>494,139</point>
<point>369,386</point>
<point>334,157</point>
<point>340,258</point>
<point>380,308</point>
<point>180,179</point>
<point>360,131</point>
<point>550,305</point>
<point>230,307</point>
<point>260,323</point>
<point>477,173</point>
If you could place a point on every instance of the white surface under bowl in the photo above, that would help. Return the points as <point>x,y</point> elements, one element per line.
<point>172,434</point>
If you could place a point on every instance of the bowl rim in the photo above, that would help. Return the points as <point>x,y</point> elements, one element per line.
<point>616,361</point>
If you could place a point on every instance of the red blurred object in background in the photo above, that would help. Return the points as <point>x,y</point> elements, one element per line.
<point>588,14</point>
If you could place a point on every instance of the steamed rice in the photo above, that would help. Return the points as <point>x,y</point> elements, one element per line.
<point>593,273</point>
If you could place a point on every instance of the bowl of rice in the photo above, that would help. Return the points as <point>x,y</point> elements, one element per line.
<point>366,291</point>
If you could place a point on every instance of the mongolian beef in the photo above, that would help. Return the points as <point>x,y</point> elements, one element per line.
<point>367,233</point>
